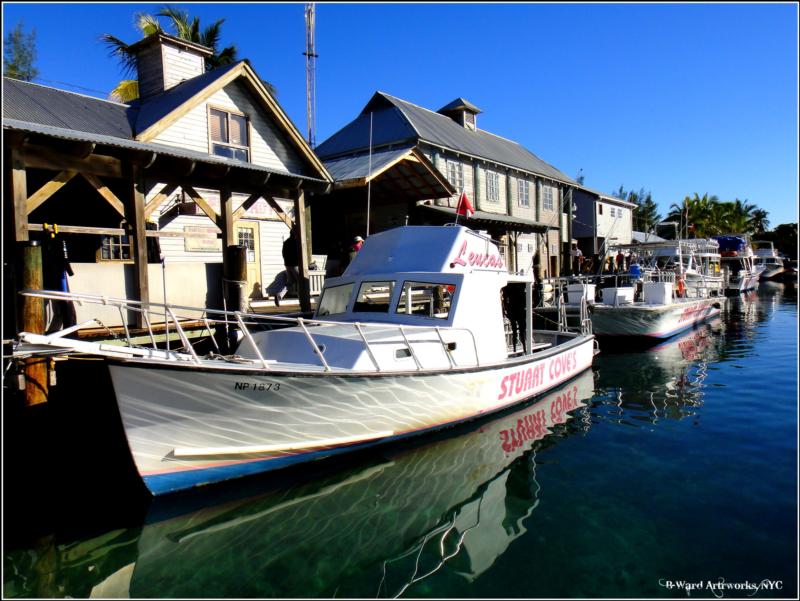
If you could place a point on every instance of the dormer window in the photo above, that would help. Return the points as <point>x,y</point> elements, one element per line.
<point>229,134</point>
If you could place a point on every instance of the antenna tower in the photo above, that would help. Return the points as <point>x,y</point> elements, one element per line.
<point>311,75</point>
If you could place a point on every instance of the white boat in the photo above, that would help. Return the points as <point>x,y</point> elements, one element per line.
<point>767,258</point>
<point>696,261</point>
<point>738,265</point>
<point>659,314</point>
<point>409,340</point>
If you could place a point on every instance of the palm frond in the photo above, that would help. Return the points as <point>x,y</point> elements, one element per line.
<point>126,91</point>
<point>211,35</point>
<point>121,51</point>
<point>147,24</point>
<point>179,20</point>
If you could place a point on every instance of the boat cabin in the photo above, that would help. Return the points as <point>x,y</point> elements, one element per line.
<point>422,296</point>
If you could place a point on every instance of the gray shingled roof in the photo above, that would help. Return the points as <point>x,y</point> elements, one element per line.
<point>396,121</point>
<point>34,103</point>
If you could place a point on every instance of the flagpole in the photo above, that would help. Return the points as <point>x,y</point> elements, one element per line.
<point>369,171</point>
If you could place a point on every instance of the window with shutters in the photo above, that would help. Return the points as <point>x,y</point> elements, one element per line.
<point>547,198</point>
<point>492,186</point>
<point>523,193</point>
<point>229,134</point>
<point>455,175</point>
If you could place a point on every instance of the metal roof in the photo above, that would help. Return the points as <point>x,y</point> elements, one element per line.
<point>34,103</point>
<point>358,167</point>
<point>642,237</point>
<point>457,104</point>
<point>161,149</point>
<point>482,217</point>
<point>396,121</point>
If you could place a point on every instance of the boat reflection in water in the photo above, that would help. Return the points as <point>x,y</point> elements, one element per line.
<point>665,381</point>
<point>377,529</point>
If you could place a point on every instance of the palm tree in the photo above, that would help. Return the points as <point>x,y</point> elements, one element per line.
<point>758,221</point>
<point>695,212</point>
<point>183,27</point>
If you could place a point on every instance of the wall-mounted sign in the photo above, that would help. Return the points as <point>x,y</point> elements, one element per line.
<point>208,242</point>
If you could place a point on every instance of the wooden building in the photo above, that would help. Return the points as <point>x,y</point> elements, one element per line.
<point>519,199</point>
<point>204,159</point>
<point>600,220</point>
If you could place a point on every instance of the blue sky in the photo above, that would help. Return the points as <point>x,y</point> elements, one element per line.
<point>675,98</point>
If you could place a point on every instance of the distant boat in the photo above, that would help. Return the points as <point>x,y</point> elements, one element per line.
<point>738,266</point>
<point>409,340</point>
<point>767,258</point>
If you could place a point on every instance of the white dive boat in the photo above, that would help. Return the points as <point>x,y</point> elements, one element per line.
<point>695,260</point>
<point>662,311</point>
<point>767,258</point>
<point>738,265</point>
<point>410,339</point>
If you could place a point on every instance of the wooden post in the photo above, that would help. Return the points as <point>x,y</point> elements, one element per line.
<point>303,249</point>
<point>33,321</point>
<point>234,273</point>
<point>19,194</point>
<point>135,215</point>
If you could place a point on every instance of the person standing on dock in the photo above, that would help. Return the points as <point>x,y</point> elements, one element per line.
<point>291,265</point>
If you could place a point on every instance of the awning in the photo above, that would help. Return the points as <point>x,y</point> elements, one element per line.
<point>400,172</point>
<point>488,220</point>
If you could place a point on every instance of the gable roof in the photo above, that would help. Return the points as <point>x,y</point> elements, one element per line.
<point>150,111</point>
<point>397,121</point>
<point>142,120</point>
<point>458,104</point>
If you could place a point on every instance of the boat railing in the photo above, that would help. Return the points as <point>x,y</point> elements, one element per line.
<point>211,319</point>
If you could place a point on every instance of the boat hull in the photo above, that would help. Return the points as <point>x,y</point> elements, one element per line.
<point>653,321</point>
<point>188,427</point>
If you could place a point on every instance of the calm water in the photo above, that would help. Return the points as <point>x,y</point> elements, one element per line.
<point>677,463</point>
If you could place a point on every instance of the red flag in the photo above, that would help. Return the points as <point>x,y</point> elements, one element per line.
<point>464,207</point>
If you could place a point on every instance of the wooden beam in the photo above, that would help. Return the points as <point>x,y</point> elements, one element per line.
<point>243,208</point>
<point>19,194</point>
<point>47,190</point>
<point>135,216</point>
<point>203,204</point>
<point>158,199</point>
<point>105,192</point>
<point>279,211</point>
<point>42,157</point>
<point>228,217</point>
<point>117,231</point>
<point>303,252</point>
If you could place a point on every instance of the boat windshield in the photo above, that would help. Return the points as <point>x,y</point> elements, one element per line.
<point>426,299</point>
<point>374,297</point>
<point>334,300</point>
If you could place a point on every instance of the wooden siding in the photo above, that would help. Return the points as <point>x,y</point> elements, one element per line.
<point>614,227</point>
<point>526,250</point>
<point>273,234</point>
<point>150,71</point>
<point>528,212</point>
<point>268,147</point>
<point>498,206</point>
<point>545,215</point>
<point>180,64</point>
